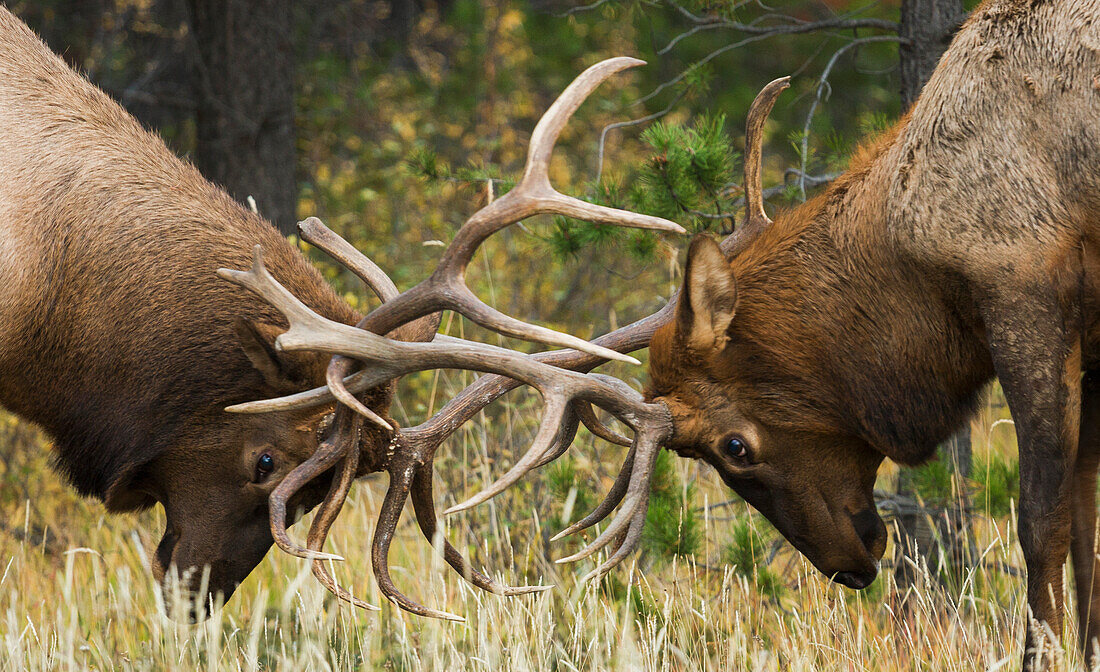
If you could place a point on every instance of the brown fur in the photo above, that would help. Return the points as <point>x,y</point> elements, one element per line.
<point>960,245</point>
<point>117,337</point>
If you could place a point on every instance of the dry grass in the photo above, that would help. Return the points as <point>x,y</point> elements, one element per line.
<point>75,594</point>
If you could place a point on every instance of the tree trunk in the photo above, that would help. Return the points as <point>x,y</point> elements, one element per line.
<point>929,25</point>
<point>244,80</point>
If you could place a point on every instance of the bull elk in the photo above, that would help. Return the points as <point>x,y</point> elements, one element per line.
<point>800,353</point>
<point>120,341</point>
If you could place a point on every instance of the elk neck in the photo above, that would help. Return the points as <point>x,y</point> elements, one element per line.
<point>842,332</point>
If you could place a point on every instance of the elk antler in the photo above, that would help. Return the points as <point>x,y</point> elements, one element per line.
<point>569,392</point>
<point>635,335</point>
<point>387,359</point>
<point>756,219</point>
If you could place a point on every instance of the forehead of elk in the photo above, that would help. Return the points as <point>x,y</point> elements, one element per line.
<point>741,334</point>
<point>215,440</point>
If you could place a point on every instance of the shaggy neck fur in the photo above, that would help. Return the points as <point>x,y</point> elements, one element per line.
<point>822,345</point>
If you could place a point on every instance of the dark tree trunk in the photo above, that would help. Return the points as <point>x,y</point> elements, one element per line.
<point>244,80</point>
<point>929,25</point>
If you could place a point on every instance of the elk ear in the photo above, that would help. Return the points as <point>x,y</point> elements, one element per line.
<point>709,298</point>
<point>258,342</point>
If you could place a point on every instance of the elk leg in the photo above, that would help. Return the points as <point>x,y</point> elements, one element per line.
<point>1036,351</point>
<point>1083,548</point>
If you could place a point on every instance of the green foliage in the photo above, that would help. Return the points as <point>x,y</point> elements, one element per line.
<point>747,552</point>
<point>933,481</point>
<point>873,123</point>
<point>687,171</point>
<point>577,499</point>
<point>697,79</point>
<point>425,163</point>
<point>998,481</point>
<point>685,178</point>
<point>994,483</point>
<point>671,527</point>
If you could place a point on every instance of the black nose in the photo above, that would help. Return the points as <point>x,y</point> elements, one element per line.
<point>855,580</point>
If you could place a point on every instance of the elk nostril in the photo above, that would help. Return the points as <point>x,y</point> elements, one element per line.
<point>869,528</point>
<point>854,580</point>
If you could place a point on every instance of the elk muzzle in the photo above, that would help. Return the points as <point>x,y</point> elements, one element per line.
<point>199,569</point>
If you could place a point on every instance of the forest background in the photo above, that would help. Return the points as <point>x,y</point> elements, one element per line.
<point>392,121</point>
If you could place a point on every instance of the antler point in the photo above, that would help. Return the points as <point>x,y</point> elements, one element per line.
<point>561,535</point>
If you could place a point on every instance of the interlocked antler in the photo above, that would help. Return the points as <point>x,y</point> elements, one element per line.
<point>561,377</point>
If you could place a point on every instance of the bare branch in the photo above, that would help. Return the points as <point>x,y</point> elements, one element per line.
<point>633,122</point>
<point>821,84</point>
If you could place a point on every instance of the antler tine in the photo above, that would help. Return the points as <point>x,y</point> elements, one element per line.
<point>626,542</point>
<point>545,441</point>
<point>424,507</point>
<point>588,416</point>
<point>536,173</point>
<point>336,385</point>
<point>401,477</point>
<point>570,422</point>
<point>647,446</point>
<point>342,440</point>
<point>322,523</point>
<point>614,498</point>
<point>761,107</point>
<point>317,234</point>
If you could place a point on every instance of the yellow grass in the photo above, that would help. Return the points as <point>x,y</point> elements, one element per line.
<point>75,593</point>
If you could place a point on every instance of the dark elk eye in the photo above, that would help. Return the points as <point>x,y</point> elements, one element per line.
<point>737,449</point>
<point>264,466</point>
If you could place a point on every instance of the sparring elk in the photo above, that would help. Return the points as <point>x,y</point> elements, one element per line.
<point>120,341</point>
<point>863,324</point>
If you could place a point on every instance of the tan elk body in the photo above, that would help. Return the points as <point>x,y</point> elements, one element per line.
<point>117,337</point>
<point>963,244</point>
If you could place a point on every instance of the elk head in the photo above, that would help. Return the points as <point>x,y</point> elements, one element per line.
<point>735,398</point>
<point>215,476</point>
<point>749,397</point>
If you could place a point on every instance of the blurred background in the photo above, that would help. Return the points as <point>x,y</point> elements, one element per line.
<point>393,121</point>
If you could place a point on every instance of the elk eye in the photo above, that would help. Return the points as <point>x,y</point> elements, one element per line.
<point>264,466</point>
<point>737,449</point>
